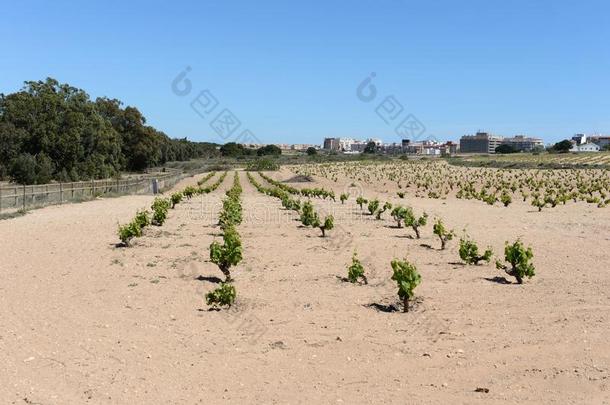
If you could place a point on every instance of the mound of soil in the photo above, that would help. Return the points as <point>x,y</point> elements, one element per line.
<point>299,179</point>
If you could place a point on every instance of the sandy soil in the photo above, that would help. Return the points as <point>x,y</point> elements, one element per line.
<point>82,321</point>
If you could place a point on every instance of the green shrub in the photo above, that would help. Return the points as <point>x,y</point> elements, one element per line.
<point>407,278</point>
<point>538,203</point>
<point>189,191</point>
<point>399,213</point>
<point>386,206</point>
<point>228,254</point>
<point>231,214</point>
<point>176,198</point>
<point>142,218</point>
<point>263,164</point>
<point>129,231</point>
<point>308,216</point>
<point>373,206</point>
<point>160,206</point>
<point>355,272</point>
<point>519,259</point>
<point>222,296</point>
<point>414,222</point>
<point>443,234</point>
<point>327,225</point>
<point>469,251</point>
<point>343,197</point>
<point>360,201</point>
<point>505,198</point>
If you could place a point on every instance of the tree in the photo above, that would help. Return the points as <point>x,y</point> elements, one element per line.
<point>269,150</point>
<point>311,151</point>
<point>562,147</point>
<point>72,137</point>
<point>407,278</point>
<point>506,148</point>
<point>23,169</point>
<point>519,259</point>
<point>11,144</point>
<point>371,147</point>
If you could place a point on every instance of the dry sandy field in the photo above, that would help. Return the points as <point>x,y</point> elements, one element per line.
<point>84,321</point>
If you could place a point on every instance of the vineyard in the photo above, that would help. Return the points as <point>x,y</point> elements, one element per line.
<point>438,180</point>
<point>479,285</point>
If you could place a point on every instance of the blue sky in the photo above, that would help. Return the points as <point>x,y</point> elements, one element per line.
<point>289,71</point>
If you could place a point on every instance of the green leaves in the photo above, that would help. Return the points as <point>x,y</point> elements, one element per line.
<point>355,272</point>
<point>61,134</point>
<point>399,213</point>
<point>443,234</point>
<point>469,251</point>
<point>134,229</point>
<point>373,206</point>
<point>128,232</point>
<point>222,296</point>
<point>176,198</point>
<point>383,209</point>
<point>407,278</point>
<point>160,206</point>
<point>360,201</point>
<point>414,222</point>
<point>519,258</point>
<point>230,252</point>
<point>308,216</point>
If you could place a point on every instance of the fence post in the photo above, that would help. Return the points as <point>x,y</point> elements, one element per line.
<point>92,189</point>
<point>61,193</point>
<point>0,199</point>
<point>24,197</point>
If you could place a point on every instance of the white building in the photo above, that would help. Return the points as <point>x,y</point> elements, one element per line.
<point>345,144</point>
<point>585,147</point>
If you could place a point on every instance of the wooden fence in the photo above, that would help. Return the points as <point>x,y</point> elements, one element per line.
<point>16,197</point>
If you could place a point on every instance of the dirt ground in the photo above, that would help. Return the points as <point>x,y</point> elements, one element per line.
<point>82,321</point>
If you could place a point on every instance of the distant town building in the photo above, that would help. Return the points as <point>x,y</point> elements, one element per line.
<point>579,139</point>
<point>331,144</point>
<point>600,140</point>
<point>482,142</point>
<point>449,148</point>
<point>523,143</point>
<point>303,146</point>
<point>585,147</point>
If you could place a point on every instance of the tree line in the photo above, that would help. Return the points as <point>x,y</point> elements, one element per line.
<point>54,131</point>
